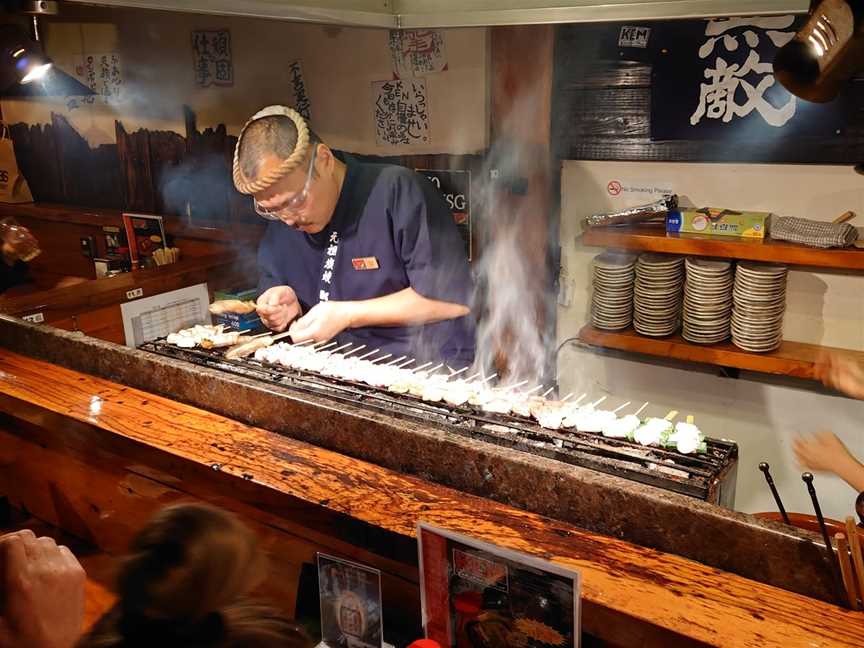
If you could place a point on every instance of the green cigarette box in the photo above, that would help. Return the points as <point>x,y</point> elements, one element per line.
<point>719,222</point>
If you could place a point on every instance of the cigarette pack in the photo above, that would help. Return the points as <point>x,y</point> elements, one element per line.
<point>713,221</point>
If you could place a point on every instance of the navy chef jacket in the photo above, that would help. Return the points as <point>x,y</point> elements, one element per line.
<point>394,218</point>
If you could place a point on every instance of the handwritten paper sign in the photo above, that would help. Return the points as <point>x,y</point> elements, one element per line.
<point>103,74</point>
<point>302,104</point>
<point>211,58</point>
<point>401,112</point>
<point>416,52</point>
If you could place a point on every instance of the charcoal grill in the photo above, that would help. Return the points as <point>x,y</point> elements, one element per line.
<point>708,476</point>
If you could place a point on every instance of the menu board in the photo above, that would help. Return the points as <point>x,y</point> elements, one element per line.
<point>477,595</point>
<point>156,316</point>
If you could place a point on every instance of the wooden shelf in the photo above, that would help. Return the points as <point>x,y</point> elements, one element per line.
<point>791,359</point>
<point>655,239</point>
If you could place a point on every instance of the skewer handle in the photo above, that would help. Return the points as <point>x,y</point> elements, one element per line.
<point>846,571</point>
<point>807,478</point>
<point>857,557</point>
<point>766,470</point>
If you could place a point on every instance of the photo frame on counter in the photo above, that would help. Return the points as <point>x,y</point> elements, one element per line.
<point>144,234</point>
<point>476,594</point>
<point>351,608</point>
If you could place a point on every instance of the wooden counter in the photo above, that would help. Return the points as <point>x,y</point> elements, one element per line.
<point>95,457</point>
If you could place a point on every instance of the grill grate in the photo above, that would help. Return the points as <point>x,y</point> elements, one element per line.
<point>694,475</point>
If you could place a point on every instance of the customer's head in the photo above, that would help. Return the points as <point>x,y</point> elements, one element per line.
<point>189,560</point>
<point>183,583</point>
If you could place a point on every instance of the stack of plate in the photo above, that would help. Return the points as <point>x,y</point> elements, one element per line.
<point>612,302</point>
<point>759,303</point>
<point>707,301</point>
<point>657,300</point>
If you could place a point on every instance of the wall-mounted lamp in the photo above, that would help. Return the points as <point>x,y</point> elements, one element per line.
<point>825,52</point>
<point>21,58</point>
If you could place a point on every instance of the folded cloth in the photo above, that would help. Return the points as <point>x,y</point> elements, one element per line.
<point>812,233</point>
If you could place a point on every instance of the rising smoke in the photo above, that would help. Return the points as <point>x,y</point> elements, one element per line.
<point>513,298</point>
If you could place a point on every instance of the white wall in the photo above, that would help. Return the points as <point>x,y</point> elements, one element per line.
<point>339,65</point>
<point>762,415</point>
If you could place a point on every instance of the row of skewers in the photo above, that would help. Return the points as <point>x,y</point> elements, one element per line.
<point>454,387</point>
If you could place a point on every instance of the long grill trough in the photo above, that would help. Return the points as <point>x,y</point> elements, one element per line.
<point>708,475</point>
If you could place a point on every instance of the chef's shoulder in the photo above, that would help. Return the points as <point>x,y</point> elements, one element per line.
<point>407,189</point>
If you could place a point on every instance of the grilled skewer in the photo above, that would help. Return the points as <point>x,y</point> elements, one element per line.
<point>232,306</point>
<point>248,348</point>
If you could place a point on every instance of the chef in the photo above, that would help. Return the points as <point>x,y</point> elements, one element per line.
<point>365,253</point>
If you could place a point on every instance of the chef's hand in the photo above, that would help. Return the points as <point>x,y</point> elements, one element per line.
<point>824,452</point>
<point>278,307</point>
<point>43,586</point>
<point>324,321</point>
<point>841,373</point>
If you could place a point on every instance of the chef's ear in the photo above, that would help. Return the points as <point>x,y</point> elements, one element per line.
<point>325,157</point>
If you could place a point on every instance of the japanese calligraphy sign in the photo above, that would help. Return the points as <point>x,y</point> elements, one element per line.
<point>416,52</point>
<point>103,74</point>
<point>714,79</point>
<point>401,112</point>
<point>302,104</point>
<point>211,58</point>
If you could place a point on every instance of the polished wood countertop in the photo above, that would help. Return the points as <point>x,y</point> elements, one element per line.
<point>663,594</point>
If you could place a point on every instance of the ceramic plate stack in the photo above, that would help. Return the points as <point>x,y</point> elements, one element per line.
<point>707,301</point>
<point>657,296</point>
<point>759,303</point>
<point>612,303</point>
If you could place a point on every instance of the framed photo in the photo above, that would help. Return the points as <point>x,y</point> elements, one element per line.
<point>145,233</point>
<point>351,611</point>
<point>477,595</point>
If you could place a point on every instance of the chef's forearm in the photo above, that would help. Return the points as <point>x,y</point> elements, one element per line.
<point>403,308</point>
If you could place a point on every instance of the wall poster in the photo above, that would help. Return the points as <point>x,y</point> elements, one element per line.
<point>416,52</point>
<point>455,186</point>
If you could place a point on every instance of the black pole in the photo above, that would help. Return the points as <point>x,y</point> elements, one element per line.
<point>832,557</point>
<point>766,470</point>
